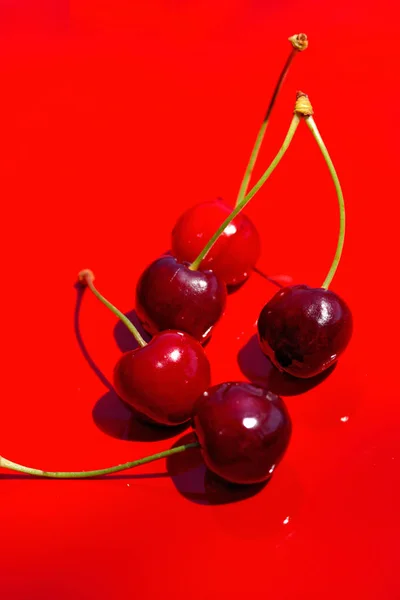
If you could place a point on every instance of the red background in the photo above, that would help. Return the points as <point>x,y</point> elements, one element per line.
<point>115,117</point>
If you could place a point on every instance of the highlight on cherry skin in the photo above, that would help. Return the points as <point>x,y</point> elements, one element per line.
<point>236,252</point>
<point>162,378</point>
<point>243,431</point>
<point>170,295</point>
<point>304,330</point>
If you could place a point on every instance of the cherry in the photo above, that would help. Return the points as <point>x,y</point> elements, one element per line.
<point>237,250</point>
<point>164,379</point>
<point>169,295</point>
<point>243,431</point>
<point>160,379</point>
<point>304,330</point>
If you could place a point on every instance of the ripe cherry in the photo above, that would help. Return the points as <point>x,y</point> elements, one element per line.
<point>237,250</point>
<point>163,379</point>
<point>160,379</point>
<point>304,330</point>
<point>243,431</point>
<point>170,295</point>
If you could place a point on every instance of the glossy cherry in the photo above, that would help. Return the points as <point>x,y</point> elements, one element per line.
<point>243,431</point>
<point>233,256</point>
<point>169,295</point>
<point>304,330</point>
<point>235,253</point>
<point>163,379</point>
<point>160,379</point>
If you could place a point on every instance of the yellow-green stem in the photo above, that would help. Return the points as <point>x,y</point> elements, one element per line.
<point>289,136</point>
<point>342,214</point>
<point>87,278</point>
<point>8,464</point>
<point>260,136</point>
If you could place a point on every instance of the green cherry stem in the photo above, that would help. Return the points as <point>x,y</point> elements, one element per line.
<point>342,214</point>
<point>289,136</point>
<point>8,464</point>
<point>299,44</point>
<point>86,277</point>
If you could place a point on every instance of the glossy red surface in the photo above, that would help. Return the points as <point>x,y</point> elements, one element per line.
<point>115,117</point>
<point>164,379</point>
<point>234,254</point>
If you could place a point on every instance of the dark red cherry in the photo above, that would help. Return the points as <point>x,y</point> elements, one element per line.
<point>163,379</point>
<point>235,253</point>
<point>243,431</point>
<point>304,330</point>
<point>169,295</point>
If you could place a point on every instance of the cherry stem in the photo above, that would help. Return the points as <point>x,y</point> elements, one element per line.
<point>342,214</point>
<point>299,43</point>
<point>289,136</point>
<point>8,464</point>
<point>86,277</point>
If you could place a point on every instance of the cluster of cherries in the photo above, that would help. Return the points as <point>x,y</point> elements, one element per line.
<point>243,430</point>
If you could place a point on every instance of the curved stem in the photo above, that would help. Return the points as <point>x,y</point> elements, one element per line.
<point>342,214</point>
<point>8,464</point>
<point>87,278</point>
<point>289,136</point>
<point>261,133</point>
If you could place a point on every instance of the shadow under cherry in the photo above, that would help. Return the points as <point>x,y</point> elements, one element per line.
<point>115,418</point>
<point>124,338</point>
<point>110,414</point>
<point>198,484</point>
<point>259,370</point>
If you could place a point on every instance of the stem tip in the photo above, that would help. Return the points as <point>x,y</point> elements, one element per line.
<point>299,41</point>
<point>303,106</point>
<point>85,277</point>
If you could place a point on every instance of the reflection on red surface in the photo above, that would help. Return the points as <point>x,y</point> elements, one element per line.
<point>115,117</point>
